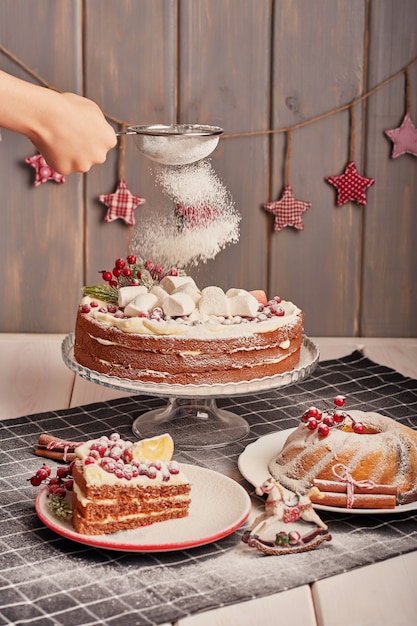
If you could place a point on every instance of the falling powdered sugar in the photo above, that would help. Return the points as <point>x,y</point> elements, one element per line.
<point>200,222</point>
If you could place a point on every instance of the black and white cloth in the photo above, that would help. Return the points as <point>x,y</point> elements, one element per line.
<point>46,579</point>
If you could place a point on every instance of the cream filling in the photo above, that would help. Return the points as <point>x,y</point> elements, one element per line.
<point>84,501</point>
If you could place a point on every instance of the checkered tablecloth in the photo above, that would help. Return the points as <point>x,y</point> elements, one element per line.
<point>48,580</point>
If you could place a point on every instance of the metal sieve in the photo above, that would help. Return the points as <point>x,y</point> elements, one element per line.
<point>177,144</point>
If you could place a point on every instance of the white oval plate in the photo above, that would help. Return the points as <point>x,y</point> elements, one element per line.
<point>254,461</point>
<point>219,506</point>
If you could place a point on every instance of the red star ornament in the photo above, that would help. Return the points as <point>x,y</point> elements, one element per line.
<point>287,210</point>
<point>404,138</point>
<point>121,203</point>
<point>43,171</point>
<point>350,185</point>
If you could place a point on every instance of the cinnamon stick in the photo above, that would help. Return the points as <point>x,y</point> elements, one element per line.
<point>340,487</point>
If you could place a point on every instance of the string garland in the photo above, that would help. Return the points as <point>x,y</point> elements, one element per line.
<point>351,185</point>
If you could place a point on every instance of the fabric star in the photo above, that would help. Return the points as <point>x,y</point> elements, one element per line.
<point>404,138</point>
<point>43,171</point>
<point>121,203</point>
<point>287,210</point>
<point>350,185</point>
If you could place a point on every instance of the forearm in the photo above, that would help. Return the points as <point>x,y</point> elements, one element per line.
<point>22,105</point>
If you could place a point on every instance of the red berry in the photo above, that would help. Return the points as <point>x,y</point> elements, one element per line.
<point>69,484</point>
<point>131,259</point>
<point>89,460</point>
<point>117,272</point>
<point>127,272</point>
<point>305,417</point>
<point>35,481</point>
<point>328,420</point>
<point>119,264</point>
<point>173,272</point>
<point>312,423</point>
<point>107,276</point>
<point>314,412</point>
<point>339,400</point>
<point>113,283</point>
<point>62,472</point>
<point>43,472</point>
<point>358,428</point>
<point>149,265</point>
<point>85,308</point>
<point>338,417</point>
<point>323,430</point>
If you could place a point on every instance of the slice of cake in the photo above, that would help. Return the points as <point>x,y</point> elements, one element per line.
<point>120,485</point>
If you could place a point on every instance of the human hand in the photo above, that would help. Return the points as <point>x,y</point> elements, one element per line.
<point>71,132</point>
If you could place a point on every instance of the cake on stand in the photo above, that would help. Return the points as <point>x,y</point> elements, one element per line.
<point>191,414</point>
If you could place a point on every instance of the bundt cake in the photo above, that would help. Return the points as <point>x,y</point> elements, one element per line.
<point>366,452</point>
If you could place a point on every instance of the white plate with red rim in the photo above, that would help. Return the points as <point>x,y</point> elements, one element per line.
<point>254,461</point>
<point>219,507</point>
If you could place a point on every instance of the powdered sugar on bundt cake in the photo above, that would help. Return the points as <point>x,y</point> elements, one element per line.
<point>383,451</point>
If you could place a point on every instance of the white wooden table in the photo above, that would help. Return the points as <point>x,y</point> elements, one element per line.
<point>33,378</point>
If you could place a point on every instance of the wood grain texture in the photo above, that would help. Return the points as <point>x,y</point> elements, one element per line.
<point>389,287</point>
<point>41,228</point>
<point>246,66</point>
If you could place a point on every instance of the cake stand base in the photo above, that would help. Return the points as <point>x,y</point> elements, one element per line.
<point>192,423</point>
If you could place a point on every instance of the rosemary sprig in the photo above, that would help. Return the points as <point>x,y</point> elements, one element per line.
<point>102,292</point>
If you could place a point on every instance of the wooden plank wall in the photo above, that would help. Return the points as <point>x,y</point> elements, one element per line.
<point>246,65</point>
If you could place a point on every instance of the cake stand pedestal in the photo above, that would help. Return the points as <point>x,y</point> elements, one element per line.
<point>191,415</point>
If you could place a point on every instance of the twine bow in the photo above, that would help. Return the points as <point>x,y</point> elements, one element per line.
<point>351,483</point>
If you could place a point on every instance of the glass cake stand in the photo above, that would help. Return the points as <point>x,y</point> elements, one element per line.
<point>191,414</point>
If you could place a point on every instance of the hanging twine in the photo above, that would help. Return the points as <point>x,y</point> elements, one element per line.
<point>122,151</point>
<point>352,133</point>
<point>288,158</point>
<point>317,118</point>
<point>407,91</point>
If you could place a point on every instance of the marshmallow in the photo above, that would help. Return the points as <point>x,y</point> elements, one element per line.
<point>190,290</point>
<point>170,283</point>
<point>213,301</point>
<point>143,303</point>
<point>244,305</point>
<point>178,304</point>
<point>233,291</point>
<point>160,293</point>
<point>127,294</point>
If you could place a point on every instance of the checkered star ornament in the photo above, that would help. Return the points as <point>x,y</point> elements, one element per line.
<point>350,185</point>
<point>404,138</point>
<point>287,210</point>
<point>44,171</point>
<point>121,204</point>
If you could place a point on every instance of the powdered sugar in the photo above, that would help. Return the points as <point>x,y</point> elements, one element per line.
<point>198,223</point>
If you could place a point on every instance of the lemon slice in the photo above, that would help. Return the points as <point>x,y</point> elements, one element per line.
<point>160,448</point>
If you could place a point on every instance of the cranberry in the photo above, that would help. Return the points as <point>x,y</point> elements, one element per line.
<point>43,472</point>
<point>338,417</point>
<point>339,401</point>
<point>314,412</point>
<point>149,265</point>
<point>35,481</point>
<point>62,472</point>
<point>328,420</point>
<point>107,276</point>
<point>323,430</point>
<point>127,272</point>
<point>173,272</point>
<point>93,304</point>
<point>358,428</point>
<point>113,283</point>
<point>69,484</point>
<point>89,460</point>
<point>119,264</point>
<point>117,272</point>
<point>312,423</point>
<point>85,308</point>
<point>131,259</point>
